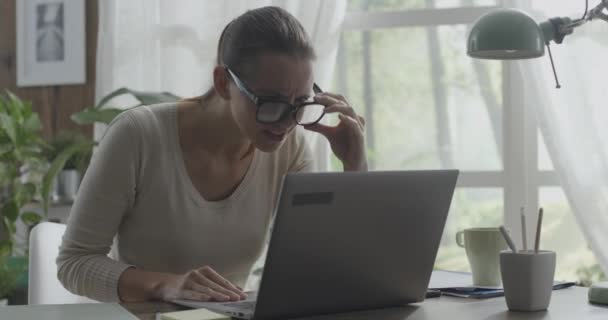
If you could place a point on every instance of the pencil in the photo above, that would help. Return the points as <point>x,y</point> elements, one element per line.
<point>508,239</point>
<point>538,228</point>
<point>523,230</point>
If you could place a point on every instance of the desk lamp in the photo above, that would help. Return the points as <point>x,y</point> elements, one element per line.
<point>509,34</point>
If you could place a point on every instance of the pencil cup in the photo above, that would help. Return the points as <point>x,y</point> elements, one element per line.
<point>527,278</point>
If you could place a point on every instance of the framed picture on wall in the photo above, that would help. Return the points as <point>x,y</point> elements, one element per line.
<point>50,42</point>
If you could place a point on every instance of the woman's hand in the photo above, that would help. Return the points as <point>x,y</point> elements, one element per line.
<point>203,284</point>
<point>347,139</point>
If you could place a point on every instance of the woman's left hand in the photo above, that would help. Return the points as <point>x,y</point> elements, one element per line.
<point>347,138</point>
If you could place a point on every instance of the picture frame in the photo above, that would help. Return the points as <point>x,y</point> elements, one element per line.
<point>50,42</point>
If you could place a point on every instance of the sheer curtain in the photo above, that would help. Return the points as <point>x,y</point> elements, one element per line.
<point>170,45</point>
<point>574,119</point>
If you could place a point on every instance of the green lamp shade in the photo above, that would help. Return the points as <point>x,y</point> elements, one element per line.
<point>505,34</point>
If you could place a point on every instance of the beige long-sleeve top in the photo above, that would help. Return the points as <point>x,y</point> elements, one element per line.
<point>137,195</point>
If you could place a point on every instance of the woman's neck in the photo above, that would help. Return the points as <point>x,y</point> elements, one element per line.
<point>206,124</point>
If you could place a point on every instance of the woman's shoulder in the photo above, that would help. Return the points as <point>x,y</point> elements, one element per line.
<point>147,127</point>
<point>151,114</point>
<point>147,120</point>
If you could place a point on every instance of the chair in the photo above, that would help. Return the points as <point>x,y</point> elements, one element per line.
<point>43,285</point>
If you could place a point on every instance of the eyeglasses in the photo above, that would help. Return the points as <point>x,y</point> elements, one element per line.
<point>271,110</point>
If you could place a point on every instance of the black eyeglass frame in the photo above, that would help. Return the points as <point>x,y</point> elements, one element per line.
<point>259,100</point>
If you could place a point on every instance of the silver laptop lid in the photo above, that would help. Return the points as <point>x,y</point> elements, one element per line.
<point>353,241</point>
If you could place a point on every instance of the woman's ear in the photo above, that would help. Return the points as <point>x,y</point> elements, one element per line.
<point>221,83</point>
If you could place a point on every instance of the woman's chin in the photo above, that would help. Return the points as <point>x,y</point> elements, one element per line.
<point>268,145</point>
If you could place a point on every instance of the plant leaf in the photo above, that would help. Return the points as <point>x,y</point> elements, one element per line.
<point>111,95</point>
<point>144,97</point>
<point>32,123</point>
<point>92,115</point>
<point>5,148</point>
<point>8,125</point>
<point>30,218</point>
<point>10,210</point>
<point>9,226</point>
<point>15,107</point>
<point>148,98</point>
<point>6,248</point>
<point>56,166</point>
<point>24,193</point>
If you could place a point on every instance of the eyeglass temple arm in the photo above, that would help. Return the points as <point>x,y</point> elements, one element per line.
<point>316,89</point>
<point>242,86</point>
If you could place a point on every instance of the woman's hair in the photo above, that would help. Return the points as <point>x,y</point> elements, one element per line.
<point>263,30</point>
<point>257,31</point>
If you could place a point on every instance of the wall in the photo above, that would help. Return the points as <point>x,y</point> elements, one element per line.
<point>54,104</point>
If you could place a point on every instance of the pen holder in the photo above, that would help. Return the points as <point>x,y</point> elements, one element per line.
<point>527,277</point>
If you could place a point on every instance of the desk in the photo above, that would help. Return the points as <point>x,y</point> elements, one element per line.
<point>566,304</point>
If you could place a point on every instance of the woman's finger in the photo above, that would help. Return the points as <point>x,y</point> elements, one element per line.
<point>231,294</point>
<point>350,122</point>
<point>215,295</point>
<point>347,111</point>
<point>341,108</point>
<point>193,295</point>
<point>203,280</point>
<point>336,96</point>
<point>217,278</point>
<point>327,100</point>
<point>361,120</point>
<point>321,128</point>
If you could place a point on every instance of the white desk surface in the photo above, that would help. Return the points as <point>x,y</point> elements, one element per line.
<point>566,304</point>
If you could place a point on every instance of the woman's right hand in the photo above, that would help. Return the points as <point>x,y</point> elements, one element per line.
<point>202,284</point>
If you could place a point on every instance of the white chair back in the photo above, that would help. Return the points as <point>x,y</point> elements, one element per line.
<point>43,285</point>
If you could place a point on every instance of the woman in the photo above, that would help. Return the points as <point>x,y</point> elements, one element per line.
<point>185,191</point>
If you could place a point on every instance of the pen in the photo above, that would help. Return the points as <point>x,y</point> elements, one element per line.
<point>508,239</point>
<point>538,227</point>
<point>523,230</point>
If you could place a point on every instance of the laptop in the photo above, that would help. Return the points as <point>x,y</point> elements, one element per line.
<point>348,241</point>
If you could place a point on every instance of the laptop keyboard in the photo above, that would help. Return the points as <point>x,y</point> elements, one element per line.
<point>241,304</point>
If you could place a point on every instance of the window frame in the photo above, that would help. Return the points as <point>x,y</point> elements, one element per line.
<point>520,178</point>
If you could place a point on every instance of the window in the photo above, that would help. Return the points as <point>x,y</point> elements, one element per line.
<point>403,66</point>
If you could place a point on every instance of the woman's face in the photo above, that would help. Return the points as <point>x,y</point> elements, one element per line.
<point>275,75</point>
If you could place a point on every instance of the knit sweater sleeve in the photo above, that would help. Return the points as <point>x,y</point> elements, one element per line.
<point>105,196</point>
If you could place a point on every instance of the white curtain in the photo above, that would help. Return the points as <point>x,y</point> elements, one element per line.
<point>574,119</point>
<point>171,45</point>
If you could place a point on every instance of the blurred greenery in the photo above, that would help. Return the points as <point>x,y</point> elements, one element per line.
<point>590,274</point>
<point>22,165</point>
<point>8,278</point>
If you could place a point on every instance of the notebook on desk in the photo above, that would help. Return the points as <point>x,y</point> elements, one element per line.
<point>196,314</point>
<point>460,284</point>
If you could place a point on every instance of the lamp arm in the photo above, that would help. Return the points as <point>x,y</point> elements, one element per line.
<point>598,11</point>
<point>556,29</point>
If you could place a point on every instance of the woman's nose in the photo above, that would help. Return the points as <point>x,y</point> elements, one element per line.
<point>287,123</point>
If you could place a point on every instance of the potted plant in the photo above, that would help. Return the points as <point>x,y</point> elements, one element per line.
<point>22,167</point>
<point>69,154</point>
